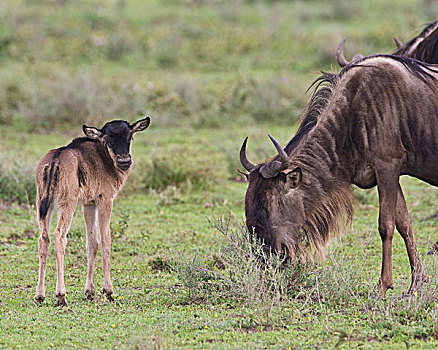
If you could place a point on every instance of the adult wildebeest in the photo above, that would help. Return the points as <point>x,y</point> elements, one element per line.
<point>423,47</point>
<point>375,121</point>
<point>90,171</point>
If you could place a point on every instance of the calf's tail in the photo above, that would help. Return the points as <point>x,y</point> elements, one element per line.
<point>50,182</point>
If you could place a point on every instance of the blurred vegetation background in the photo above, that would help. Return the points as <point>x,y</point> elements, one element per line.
<point>187,63</point>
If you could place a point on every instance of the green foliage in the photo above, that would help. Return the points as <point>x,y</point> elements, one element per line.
<point>209,72</point>
<point>193,62</point>
<point>17,181</point>
<point>250,273</point>
<point>162,173</point>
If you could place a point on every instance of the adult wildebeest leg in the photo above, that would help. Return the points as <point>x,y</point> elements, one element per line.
<point>404,227</point>
<point>387,185</point>
<point>104,214</point>
<point>43,251</point>
<point>65,215</point>
<point>92,246</point>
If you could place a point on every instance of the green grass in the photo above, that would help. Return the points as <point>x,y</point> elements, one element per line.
<point>209,72</point>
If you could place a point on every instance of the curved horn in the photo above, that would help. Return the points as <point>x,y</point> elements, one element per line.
<point>340,58</point>
<point>398,42</point>
<point>272,168</point>
<point>285,161</point>
<point>357,57</point>
<point>245,162</point>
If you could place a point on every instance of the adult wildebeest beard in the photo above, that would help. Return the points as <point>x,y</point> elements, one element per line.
<point>423,47</point>
<point>371,123</point>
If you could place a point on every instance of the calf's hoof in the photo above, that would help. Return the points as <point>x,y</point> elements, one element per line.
<point>39,299</point>
<point>108,294</point>
<point>89,295</point>
<point>60,300</point>
<point>90,292</point>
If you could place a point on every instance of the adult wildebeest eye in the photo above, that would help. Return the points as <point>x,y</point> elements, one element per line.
<point>294,178</point>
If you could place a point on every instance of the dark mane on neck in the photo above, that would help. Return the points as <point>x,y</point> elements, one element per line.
<point>423,47</point>
<point>327,81</point>
<point>418,69</point>
<point>321,94</point>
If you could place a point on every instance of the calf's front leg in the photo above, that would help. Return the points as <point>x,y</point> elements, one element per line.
<point>65,215</point>
<point>92,245</point>
<point>104,214</point>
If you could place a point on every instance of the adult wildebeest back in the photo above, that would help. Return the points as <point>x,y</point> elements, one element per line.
<point>375,121</point>
<point>90,171</point>
<point>423,47</point>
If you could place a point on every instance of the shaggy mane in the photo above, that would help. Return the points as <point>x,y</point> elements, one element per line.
<point>321,94</point>
<point>325,84</point>
<point>328,217</point>
<point>423,47</point>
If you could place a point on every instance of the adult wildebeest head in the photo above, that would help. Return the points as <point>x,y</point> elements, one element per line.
<point>423,47</point>
<point>375,121</point>
<point>116,136</point>
<point>289,207</point>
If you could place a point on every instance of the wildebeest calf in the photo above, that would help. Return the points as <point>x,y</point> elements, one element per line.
<point>90,171</point>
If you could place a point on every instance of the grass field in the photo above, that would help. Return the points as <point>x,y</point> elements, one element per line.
<point>209,73</point>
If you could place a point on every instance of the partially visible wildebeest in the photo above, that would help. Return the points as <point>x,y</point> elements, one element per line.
<point>424,47</point>
<point>90,171</point>
<point>375,121</point>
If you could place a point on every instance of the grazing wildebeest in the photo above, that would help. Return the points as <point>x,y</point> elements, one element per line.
<point>90,171</point>
<point>376,120</point>
<point>424,47</point>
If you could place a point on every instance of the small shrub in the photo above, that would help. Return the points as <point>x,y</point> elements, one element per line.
<point>339,281</point>
<point>171,174</point>
<point>160,264</point>
<point>262,100</point>
<point>249,273</point>
<point>17,182</point>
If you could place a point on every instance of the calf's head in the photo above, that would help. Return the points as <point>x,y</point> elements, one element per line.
<point>116,137</point>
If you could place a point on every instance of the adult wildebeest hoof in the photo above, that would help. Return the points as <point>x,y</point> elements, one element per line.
<point>60,300</point>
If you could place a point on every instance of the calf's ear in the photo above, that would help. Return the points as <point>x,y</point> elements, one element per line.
<point>140,125</point>
<point>92,132</point>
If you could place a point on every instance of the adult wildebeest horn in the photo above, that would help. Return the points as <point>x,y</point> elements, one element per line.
<point>340,58</point>
<point>272,168</point>
<point>245,162</point>
<point>398,42</point>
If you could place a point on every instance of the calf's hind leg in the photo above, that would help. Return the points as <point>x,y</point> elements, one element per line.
<point>43,251</point>
<point>92,246</point>
<point>65,215</point>
<point>404,227</point>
